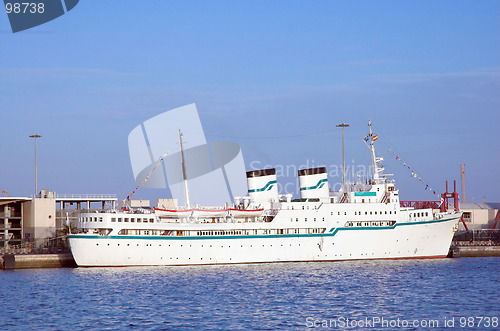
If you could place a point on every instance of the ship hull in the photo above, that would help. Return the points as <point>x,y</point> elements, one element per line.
<point>413,240</point>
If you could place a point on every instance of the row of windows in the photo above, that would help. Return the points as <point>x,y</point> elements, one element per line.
<point>316,207</point>
<point>120,219</point>
<point>422,214</point>
<point>91,219</point>
<point>180,233</point>
<point>143,232</point>
<point>202,246</point>
<point>374,212</point>
<point>256,232</point>
<point>132,220</point>
<point>305,219</point>
<point>370,224</point>
<point>303,207</point>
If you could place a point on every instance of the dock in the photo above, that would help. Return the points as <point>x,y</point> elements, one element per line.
<point>30,261</point>
<point>476,249</point>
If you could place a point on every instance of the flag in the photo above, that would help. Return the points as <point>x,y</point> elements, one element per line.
<point>375,137</point>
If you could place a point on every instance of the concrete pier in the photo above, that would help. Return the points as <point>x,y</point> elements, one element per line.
<point>474,250</point>
<point>29,261</point>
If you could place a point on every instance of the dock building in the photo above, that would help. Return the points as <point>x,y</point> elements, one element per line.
<point>33,221</point>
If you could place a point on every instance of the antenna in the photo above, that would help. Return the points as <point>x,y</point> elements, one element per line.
<point>343,125</point>
<point>184,176</point>
<point>462,178</point>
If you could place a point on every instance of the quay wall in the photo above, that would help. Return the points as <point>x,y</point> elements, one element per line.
<point>471,250</point>
<point>29,261</point>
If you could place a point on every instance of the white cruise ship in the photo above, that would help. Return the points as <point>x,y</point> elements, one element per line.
<point>361,221</point>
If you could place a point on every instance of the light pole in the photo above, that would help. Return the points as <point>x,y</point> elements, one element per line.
<point>343,125</point>
<point>36,164</point>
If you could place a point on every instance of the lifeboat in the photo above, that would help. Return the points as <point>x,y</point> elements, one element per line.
<point>241,213</point>
<point>174,213</point>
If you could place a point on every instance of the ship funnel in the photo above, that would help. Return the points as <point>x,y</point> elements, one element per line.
<point>313,183</point>
<point>262,185</point>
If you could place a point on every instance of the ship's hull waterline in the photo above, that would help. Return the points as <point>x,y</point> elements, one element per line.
<point>403,241</point>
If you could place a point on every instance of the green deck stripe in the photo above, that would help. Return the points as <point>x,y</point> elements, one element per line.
<point>332,232</point>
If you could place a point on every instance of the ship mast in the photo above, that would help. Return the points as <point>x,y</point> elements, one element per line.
<point>375,160</point>
<point>343,125</point>
<point>184,176</point>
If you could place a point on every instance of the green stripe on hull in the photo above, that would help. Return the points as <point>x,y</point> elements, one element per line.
<point>332,232</point>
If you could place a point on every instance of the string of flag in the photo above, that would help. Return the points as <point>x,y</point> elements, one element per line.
<point>147,177</point>
<point>407,165</point>
<point>413,173</point>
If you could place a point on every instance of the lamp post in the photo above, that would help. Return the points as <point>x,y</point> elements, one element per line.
<point>343,125</point>
<point>36,164</point>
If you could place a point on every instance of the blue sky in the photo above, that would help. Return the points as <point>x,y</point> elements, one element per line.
<point>427,73</point>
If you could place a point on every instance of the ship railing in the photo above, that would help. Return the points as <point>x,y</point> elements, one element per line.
<point>86,196</point>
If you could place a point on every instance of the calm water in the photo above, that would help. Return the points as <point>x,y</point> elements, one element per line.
<point>264,296</point>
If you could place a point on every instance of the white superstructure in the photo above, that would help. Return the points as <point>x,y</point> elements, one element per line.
<point>361,221</point>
